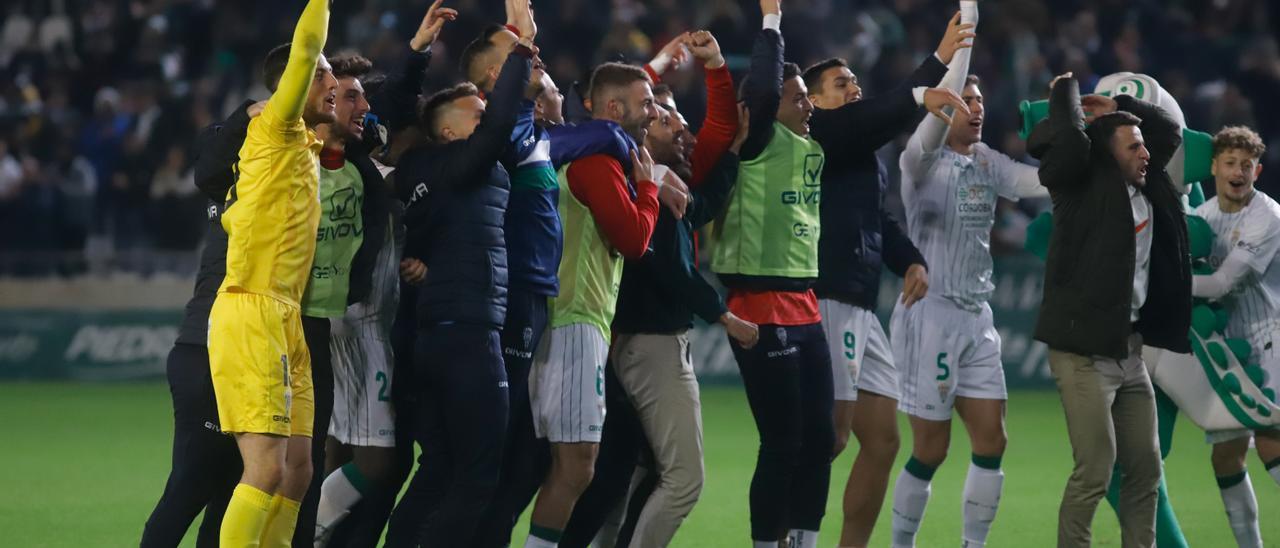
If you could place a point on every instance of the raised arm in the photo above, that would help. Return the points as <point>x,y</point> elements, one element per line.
<point>1160,131</point>
<point>396,103</point>
<point>720,124</point>
<point>309,37</point>
<point>764,81</point>
<point>931,134</point>
<point>492,137</point>
<point>1059,141</point>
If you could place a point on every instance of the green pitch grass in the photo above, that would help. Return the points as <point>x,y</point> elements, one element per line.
<point>83,465</point>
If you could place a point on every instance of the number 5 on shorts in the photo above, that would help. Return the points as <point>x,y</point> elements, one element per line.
<point>944,370</point>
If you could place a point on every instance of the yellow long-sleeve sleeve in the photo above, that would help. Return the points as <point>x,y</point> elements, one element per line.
<point>309,37</point>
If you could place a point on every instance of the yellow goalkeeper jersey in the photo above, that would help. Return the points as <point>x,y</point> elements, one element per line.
<point>274,210</point>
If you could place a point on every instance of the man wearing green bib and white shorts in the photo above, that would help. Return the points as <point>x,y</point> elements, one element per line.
<point>606,216</point>
<point>354,222</point>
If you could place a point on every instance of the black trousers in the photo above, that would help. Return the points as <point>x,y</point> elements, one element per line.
<point>525,458</point>
<point>363,527</point>
<point>206,463</point>
<point>461,425</point>
<point>787,376</point>
<point>316,332</point>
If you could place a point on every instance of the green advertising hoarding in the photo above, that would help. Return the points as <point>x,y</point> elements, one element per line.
<point>133,344</point>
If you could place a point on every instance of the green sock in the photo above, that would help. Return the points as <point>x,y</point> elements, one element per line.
<point>920,469</point>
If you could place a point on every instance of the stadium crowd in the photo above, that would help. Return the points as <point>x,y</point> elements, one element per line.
<point>100,99</point>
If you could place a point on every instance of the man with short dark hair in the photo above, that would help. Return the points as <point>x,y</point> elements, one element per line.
<point>766,253</point>
<point>258,359</point>
<point>359,450</point>
<point>457,195</point>
<point>1118,276</point>
<point>947,343</point>
<point>859,237</point>
<point>1247,280</point>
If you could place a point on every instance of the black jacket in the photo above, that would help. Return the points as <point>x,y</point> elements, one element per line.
<point>216,150</point>
<point>1088,284</point>
<point>456,196</point>
<point>661,292</point>
<point>857,233</point>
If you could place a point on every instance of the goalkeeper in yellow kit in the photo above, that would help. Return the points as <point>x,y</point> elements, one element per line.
<point>257,356</point>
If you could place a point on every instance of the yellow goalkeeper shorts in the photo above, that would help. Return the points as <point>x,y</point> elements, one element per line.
<point>260,366</point>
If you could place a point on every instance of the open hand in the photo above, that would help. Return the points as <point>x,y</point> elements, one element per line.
<point>255,109</point>
<point>431,24</point>
<point>936,99</point>
<point>520,16</point>
<point>956,38</point>
<point>641,165</point>
<point>1097,105</point>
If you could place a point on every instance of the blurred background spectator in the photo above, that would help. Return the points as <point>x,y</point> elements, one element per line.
<point>99,99</point>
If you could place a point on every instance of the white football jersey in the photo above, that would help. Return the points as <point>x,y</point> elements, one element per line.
<point>1251,236</point>
<point>950,202</point>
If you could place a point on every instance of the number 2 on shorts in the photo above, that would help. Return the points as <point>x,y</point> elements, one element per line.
<point>382,391</point>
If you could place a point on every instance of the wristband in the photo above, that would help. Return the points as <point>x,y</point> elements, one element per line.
<point>660,175</point>
<point>773,21</point>
<point>660,63</point>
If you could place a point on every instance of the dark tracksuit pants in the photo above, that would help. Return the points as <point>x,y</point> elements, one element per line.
<point>316,333</point>
<point>461,426</point>
<point>206,463</point>
<point>525,459</point>
<point>787,377</point>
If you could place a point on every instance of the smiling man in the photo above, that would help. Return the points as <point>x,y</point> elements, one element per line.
<point>355,227</point>
<point>1247,281</point>
<point>258,359</point>
<point>858,239</point>
<point>766,253</point>
<point>947,344</point>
